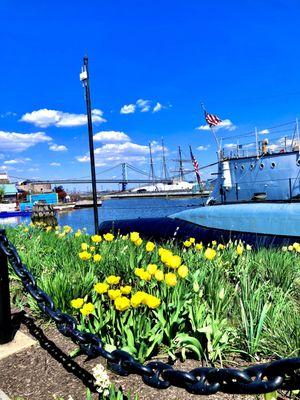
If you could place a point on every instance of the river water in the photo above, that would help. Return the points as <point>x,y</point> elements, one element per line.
<point>118,209</point>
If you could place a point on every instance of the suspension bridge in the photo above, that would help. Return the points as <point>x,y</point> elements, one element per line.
<point>124,170</point>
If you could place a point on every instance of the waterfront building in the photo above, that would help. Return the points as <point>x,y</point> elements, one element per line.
<point>9,192</point>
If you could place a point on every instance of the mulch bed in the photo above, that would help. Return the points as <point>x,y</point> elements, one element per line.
<point>45,370</point>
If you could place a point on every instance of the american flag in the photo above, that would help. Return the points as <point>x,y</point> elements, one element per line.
<point>196,166</point>
<point>211,119</point>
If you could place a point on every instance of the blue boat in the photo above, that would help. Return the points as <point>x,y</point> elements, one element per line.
<point>256,199</point>
<point>8,214</point>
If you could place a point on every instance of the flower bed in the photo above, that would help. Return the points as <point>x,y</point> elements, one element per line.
<point>175,299</point>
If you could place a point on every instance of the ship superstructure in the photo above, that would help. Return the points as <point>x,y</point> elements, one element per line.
<point>266,170</point>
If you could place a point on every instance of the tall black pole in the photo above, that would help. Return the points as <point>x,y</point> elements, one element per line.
<point>84,77</point>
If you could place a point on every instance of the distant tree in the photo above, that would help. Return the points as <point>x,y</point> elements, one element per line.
<point>2,192</point>
<point>61,192</point>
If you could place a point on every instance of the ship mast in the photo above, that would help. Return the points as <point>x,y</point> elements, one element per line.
<point>165,172</point>
<point>181,173</point>
<point>152,177</point>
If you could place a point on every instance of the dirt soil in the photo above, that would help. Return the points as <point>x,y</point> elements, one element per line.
<point>45,371</point>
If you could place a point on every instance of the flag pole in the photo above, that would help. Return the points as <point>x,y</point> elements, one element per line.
<point>196,168</point>
<point>213,132</point>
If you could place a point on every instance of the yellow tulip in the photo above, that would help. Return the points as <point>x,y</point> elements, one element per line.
<point>84,246</point>
<point>113,294</point>
<point>239,250</point>
<point>210,254</point>
<point>109,237</point>
<point>170,279</point>
<point>134,236</point>
<point>113,280</point>
<point>173,262</point>
<point>138,271</point>
<point>138,242</point>
<point>84,255</point>
<point>159,275</point>
<point>137,299</point>
<point>87,309</point>
<point>187,243</point>
<point>122,303</point>
<point>152,268</point>
<point>199,246</point>
<point>151,301</point>
<point>150,246</point>
<point>97,257</point>
<point>96,238</point>
<point>101,287</point>
<point>145,276</point>
<point>125,289</point>
<point>183,271</point>
<point>77,303</point>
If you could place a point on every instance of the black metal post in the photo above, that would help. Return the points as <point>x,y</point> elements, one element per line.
<point>86,83</point>
<point>290,188</point>
<point>6,332</point>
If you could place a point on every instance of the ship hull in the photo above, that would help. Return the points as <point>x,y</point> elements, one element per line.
<point>262,225</point>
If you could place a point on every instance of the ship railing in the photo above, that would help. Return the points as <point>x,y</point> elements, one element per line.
<point>263,146</point>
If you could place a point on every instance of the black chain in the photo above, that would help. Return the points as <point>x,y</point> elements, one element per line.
<point>257,379</point>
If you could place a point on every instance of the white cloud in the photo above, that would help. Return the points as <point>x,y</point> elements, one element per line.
<point>96,111</point>
<point>225,124</point>
<point>111,137</point>
<point>17,142</point>
<point>56,147</point>
<point>55,164</point>
<point>44,118</point>
<point>17,161</point>
<point>8,114</point>
<point>144,105</point>
<point>83,158</point>
<point>128,109</point>
<point>120,152</point>
<point>203,148</point>
<point>7,168</point>
<point>264,131</point>
<point>157,107</point>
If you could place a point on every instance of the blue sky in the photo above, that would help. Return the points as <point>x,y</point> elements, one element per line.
<point>240,58</point>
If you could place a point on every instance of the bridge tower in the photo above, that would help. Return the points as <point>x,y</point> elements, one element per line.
<point>124,176</point>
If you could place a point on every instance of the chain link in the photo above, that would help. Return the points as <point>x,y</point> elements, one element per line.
<point>257,379</point>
